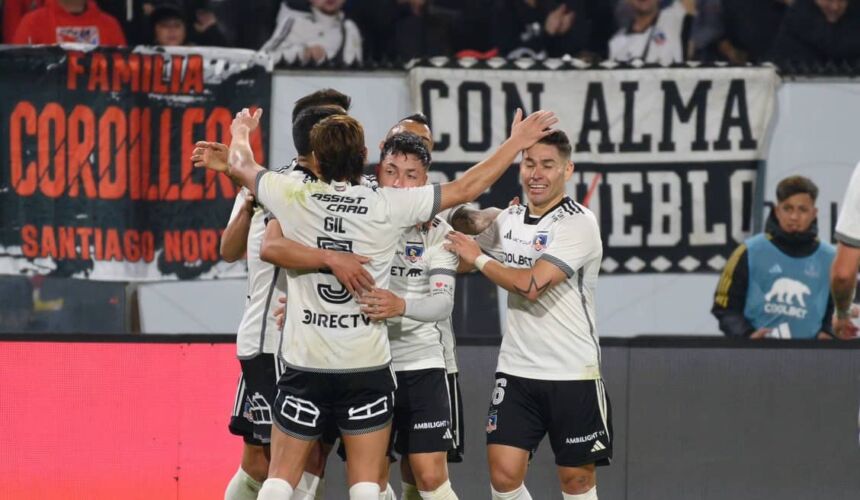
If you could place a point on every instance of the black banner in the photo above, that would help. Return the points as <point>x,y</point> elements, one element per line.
<point>97,181</point>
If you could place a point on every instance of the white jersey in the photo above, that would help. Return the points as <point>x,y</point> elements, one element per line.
<point>848,224</point>
<point>449,341</point>
<point>421,268</point>
<point>553,338</point>
<point>258,331</point>
<point>661,43</point>
<point>327,331</point>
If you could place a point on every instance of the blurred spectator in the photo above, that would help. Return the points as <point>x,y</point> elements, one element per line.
<point>777,284</point>
<point>540,28</point>
<point>424,28</point>
<point>322,34</point>
<point>655,35</point>
<point>247,24</point>
<point>750,28</point>
<point>132,16</point>
<point>170,28</point>
<point>13,11</point>
<point>819,31</point>
<point>64,21</point>
<point>705,31</point>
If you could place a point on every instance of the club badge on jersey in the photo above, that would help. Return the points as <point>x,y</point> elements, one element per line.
<point>414,251</point>
<point>540,241</point>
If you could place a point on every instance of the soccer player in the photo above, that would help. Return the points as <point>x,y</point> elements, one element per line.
<point>258,337</point>
<point>337,358</point>
<point>468,221</point>
<point>843,275</point>
<point>418,306</point>
<point>547,255</point>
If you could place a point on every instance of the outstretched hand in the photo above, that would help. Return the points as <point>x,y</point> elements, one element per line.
<point>212,155</point>
<point>245,122</point>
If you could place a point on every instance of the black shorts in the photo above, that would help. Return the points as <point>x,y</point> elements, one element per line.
<point>455,455</point>
<point>252,409</point>
<point>422,412</point>
<point>575,413</point>
<point>308,403</point>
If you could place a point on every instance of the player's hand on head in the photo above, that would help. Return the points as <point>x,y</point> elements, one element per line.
<point>528,131</point>
<point>280,312</point>
<point>379,304</point>
<point>349,269</point>
<point>464,246</point>
<point>212,155</point>
<point>245,121</point>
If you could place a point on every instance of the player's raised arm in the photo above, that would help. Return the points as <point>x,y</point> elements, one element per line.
<point>524,134</point>
<point>235,237</point>
<point>242,167</point>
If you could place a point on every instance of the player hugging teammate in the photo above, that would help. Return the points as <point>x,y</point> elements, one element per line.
<point>377,262</point>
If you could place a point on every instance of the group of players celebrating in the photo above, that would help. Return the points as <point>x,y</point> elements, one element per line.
<point>364,351</point>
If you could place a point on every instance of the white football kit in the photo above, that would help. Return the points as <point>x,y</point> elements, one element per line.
<point>422,269</point>
<point>328,332</point>
<point>553,338</point>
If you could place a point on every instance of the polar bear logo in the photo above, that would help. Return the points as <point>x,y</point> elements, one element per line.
<point>786,290</point>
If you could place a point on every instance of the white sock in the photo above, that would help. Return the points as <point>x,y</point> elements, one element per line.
<point>275,489</point>
<point>520,493</point>
<point>388,494</point>
<point>409,492</point>
<point>588,495</point>
<point>309,487</point>
<point>364,491</point>
<point>443,492</point>
<point>242,487</point>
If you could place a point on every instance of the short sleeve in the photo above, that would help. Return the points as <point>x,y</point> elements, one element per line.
<point>276,191</point>
<point>573,244</point>
<point>411,206</point>
<point>848,224</point>
<point>489,240</point>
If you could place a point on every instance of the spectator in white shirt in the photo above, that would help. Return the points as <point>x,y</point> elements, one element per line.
<point>319,35</point>
<point>655,35</point>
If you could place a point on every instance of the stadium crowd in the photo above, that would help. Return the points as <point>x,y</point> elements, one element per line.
<point>350,31</point>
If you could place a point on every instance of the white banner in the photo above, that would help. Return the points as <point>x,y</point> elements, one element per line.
<point>667,158</point>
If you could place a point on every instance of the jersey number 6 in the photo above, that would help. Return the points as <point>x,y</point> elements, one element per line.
<point>499,391</point>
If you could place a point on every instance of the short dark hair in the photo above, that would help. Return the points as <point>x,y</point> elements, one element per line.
<point>406,143</point>
<point>796,184</point>
<point>558,139</point>
<point>322,97</point>
<point>338,144</point>
<point>417,118</point>
<point>305,122</point>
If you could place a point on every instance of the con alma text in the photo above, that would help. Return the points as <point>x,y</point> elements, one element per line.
<point>594,129</point>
